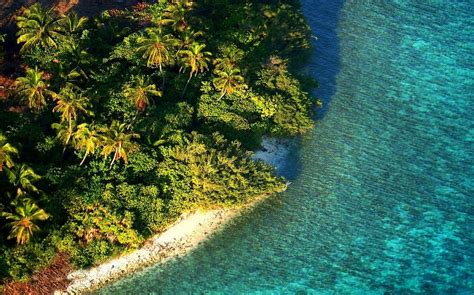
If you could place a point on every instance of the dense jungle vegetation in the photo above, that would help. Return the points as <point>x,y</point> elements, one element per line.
<point>118,124</point>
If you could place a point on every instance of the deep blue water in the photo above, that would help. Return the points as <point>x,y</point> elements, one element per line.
<point>382,194</point>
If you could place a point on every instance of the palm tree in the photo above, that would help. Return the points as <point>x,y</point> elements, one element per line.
<point>195,59</point>
<point>154,14</point>
<point>22,177</point>
<point>118,141</point>
<point>140,91</point>
<point>187,38</point>
<point>176,15</point>
<point>70,103</point>
<point>228,81</point>
<point>7,151</point>
<point>24,220</point>
<point>37,26</point>
<point>72,23</point>
<point>63,72</point>
<point>64,132</point>
<point>74,67</point>
<point>230,57</point>
<point>86,139</point>
<point>157,49</point>
<point>33,89</point>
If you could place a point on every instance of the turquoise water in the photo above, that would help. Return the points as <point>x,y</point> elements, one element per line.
<point>382,194</point>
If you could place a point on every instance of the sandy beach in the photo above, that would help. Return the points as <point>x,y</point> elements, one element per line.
<point>185,234</point>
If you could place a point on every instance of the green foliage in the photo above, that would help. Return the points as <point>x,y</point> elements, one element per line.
<point>20,262</point>
<point>96,222</point>
<point>236,111</point>
<point>144,201</point>
<point>96,251</point>
<point>291,105</point>
<point>140,115</point>
<point>209,170</point>
<point>127,50</point>
<point>169,122</point>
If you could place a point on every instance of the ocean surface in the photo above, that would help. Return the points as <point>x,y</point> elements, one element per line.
<point>382,193</point>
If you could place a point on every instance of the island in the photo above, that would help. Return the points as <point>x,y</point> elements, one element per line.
<point>133,122</point>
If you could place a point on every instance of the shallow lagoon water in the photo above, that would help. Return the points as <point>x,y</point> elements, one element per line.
<point>381,200</point>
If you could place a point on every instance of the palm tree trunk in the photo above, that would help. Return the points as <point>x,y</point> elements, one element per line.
<point>187,83</point>
<point>83,159</point>
<point>113,160</point>
<point>222,94</point>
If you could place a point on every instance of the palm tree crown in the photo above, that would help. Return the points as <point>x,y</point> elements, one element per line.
<point>72,23</point>
<point>37,26</point>
<point>33,89</point>
<point>187,38</point>
<point>118,141</point>
<point>23,221</point>
<point>86,139</point>
<point>70,103</point>
<point>7,151</point>
<point>176,15</point>
<point>230,57</point>
<point>23,178</point>
<point>140,91</point>
<point>228,81</point>
<point>64,132</point>
<point>229,78</point>
<point>194,59</point>
<point>157,47</point>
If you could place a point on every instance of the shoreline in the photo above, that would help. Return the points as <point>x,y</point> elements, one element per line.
<point>185,234</point>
